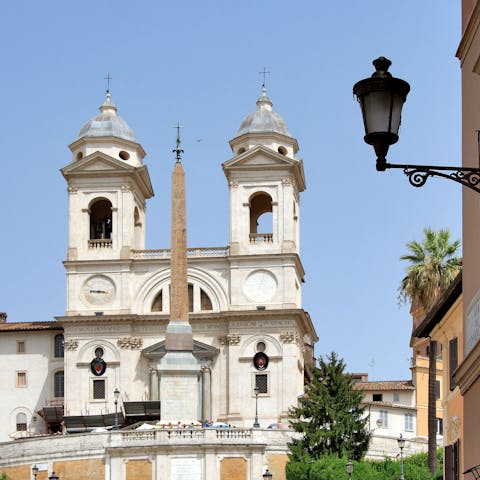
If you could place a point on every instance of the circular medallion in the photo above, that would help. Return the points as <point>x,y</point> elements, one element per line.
<point>98,290</point>
<point>260,286</point>
<point>260,361</point>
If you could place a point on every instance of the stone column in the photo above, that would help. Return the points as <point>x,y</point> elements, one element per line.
<point>206,393</point>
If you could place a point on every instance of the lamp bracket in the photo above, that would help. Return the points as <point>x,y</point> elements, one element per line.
<point>418,174</point>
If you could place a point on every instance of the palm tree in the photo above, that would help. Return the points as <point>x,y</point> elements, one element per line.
<point>433,267</point>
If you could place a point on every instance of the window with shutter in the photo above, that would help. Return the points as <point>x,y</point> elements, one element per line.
<point>453,359</point>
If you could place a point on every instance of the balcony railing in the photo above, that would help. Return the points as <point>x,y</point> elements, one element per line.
<point>169,435</point>
<point>191,252</point>
<point>261,238</point>
<point>100,243</point>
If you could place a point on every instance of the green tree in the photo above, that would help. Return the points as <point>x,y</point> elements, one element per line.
<point>329,416</point>
<point>433,265</point>
<point>330,467</point>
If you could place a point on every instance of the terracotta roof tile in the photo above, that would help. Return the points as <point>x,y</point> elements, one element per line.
<point>388,404</point>
<point>384,385</point>
<point>24,326</point>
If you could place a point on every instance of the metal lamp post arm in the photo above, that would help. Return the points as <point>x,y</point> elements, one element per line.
<point>418,174</point>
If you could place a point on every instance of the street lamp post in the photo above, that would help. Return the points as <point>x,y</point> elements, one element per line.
<point>35,471</point>
<point>401,445</point>
<point>381,99</point>
<point>267,475</point>
<point>255,423</point>
<point>349,469</point>
<point>53,476</point>
<point>116,394</point>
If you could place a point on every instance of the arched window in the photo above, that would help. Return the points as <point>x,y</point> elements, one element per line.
<point>101,220</point>
<point>58,384</point>
<point>190,297</point>
<point>261,222</point>
<point>21,422</point>
<point>58,346</point>
<point>198,300</point>
<point>157,305</point>
<point>205,302</point>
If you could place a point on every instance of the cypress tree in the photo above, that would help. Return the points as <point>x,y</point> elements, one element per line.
<point>329,417</point>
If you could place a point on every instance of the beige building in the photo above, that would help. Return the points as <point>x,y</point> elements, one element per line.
<point>468,373</point>
<point>103,361</point>
<point>444,324</point>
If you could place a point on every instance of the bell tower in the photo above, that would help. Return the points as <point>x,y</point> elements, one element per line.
<point>108,186</point>
<point>265,180</point>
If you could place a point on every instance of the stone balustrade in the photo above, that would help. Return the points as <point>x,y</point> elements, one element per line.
<point>57,447</point>
<point>261,238</point>
<point>191,252</point>
<point>100,243</point>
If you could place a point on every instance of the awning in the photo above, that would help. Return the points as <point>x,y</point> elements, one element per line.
<point>146,410</point>
<point>81,423</point>
<point>52,415</point>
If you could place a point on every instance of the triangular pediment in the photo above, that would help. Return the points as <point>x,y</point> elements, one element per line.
<point>259,156</point>
<point>200,350</point>
<point>97,162</point>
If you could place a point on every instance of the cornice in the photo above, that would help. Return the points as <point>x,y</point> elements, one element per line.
<point>444,306</point>
<point>468,371</point>
<point>195,318</point>
<point>469,34</point>
<point>97,262</point>
<point>272,256</point>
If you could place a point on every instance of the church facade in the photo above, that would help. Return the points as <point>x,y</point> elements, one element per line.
<point>102,364</point>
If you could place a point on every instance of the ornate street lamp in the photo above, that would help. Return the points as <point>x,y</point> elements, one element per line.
<point>116,394</point>
<point>475,471</point>
<point>267,475</point>
<point>35,471</point>
<point>381,99</point>
<point>255,423</point>
<point>349,469</point>
<point>53,476</point>
<point>401,445</point>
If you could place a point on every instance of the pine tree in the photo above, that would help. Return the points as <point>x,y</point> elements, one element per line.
<point>329,416</point>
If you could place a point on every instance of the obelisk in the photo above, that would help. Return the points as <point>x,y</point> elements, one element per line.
<point>179,369</point>
<point>179,331</point>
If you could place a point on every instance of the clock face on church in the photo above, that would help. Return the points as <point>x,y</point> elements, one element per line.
<point>98,290</point>
<point>260,286</point>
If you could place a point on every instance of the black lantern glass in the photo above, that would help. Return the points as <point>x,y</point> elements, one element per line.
<point>381,99</point>
<point>267,475</point>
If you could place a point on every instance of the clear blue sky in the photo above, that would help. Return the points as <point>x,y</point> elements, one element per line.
<point>198,63</point>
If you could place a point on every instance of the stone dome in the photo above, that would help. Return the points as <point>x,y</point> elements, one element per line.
<point>107,124</point>
<point>264,119</point>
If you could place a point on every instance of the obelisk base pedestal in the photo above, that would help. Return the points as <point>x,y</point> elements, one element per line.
<point>179,388</point>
